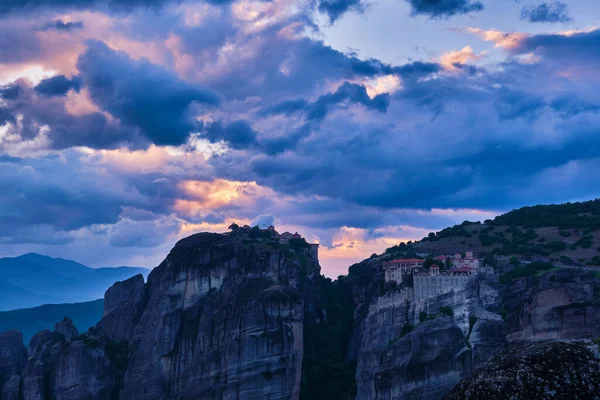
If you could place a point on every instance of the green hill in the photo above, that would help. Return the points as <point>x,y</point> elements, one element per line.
<point>567,233</point>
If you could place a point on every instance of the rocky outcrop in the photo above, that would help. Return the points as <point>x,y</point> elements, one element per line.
<point>87,367</point>
<point>403,355</point>
<point>11,390</point>
<point>552,370</point>
<point>223,320</point>
<point>422,349</point>
<point>559,305</point>
<point>124,303</point>
<point>66,329</point>
<point>13,356</point>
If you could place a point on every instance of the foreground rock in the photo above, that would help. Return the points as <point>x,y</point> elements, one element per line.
<point>88,366</point>
<point>553,370</point>
<point>13,356</point>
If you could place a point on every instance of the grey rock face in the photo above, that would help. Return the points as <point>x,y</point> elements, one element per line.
<point>562,305</point>
<point>82,368</point>
<point>423,364</point>
<point>13,356</point>
<point>552,370</point>
<point>67,329</point>
<point>223,321</point>
<point>40,338</point>
<point>11,389</point>
<point>428,361</point>
<point>124,303</point>
<point>414,350</point>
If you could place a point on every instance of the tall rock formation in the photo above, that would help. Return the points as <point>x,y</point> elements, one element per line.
<point>124,303</point>
<point>89,366</point>
<point>223,320</point>
<point>422,349</point>
<point>13,356</point>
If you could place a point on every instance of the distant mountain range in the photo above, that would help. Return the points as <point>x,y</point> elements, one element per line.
<point>32,279</point>
<point>32,320</point>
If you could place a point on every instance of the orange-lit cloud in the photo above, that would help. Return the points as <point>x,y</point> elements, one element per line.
<point>450,59</point>
<point>202,197</point>
<point>505,40</point>
<point>352,245</point>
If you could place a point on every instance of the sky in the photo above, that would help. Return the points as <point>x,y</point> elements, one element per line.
<point>128,125</point>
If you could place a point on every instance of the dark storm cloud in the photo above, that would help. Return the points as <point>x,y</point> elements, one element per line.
<point>491,132</point>
<point>569,106</point>
<point>65,129</point>
<point>444,8</point>
<point>60,25</point>
<point>238,134</point>
<point>546,12</point>
<point>58,85</point>
<point>6,116</point>
<point>318,110</point>
<point>309,63</point>
<point>142,94</point>
<point>336,8</point>
<point>517,104</point>
<point>417,69</point>
<point>579,49</point>
<point>10,92</point>
<point>116,6</point>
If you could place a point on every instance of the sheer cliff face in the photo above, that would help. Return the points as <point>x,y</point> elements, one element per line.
<point>417,350</point>
<point>221,319</point>
<point>559,305</point>
<point>13,357</point>
<point>65,366</point>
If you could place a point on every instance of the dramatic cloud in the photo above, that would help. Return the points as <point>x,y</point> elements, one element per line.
<point>570,48</point>
<point>42,121</point>
<point>454,60</point>
<point>238,134</point>
<point>318,110</point>
<point>546,12</point>
<point>10,92</point>
<point>57,86</point>
<point>120,133</point>
<point>142,94</point>
<point>27,6</point>
<point>500,39</point>
<point>336,8</point>
<point>444,8</point>
<point>60,25</point>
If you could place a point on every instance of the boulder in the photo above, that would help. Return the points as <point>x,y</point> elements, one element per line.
<point>546,370</point>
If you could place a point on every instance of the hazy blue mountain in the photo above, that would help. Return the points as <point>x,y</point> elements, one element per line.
<point>12,297</point>
<point>33,279</point>
<point>32,320</point>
